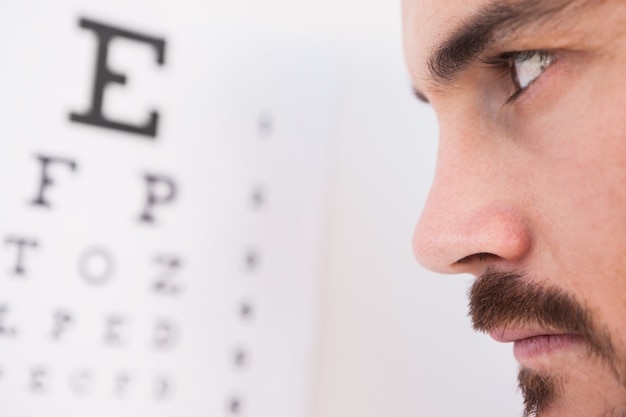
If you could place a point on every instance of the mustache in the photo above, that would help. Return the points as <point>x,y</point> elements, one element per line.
<point>510,300</point>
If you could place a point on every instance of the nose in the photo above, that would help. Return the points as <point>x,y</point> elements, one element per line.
<point>473,216</point>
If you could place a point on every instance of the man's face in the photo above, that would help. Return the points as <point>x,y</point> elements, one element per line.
<point>530,189</point>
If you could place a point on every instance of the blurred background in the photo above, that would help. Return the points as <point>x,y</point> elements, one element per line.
<point>207,209</point>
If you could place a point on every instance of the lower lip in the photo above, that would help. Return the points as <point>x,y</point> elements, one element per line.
<point>541,345</point>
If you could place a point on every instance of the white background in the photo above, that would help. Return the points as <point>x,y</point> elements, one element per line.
<point>395,339</point>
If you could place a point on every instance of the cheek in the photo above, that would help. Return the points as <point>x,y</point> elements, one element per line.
<point>577,147</point>
<point>578,167</point>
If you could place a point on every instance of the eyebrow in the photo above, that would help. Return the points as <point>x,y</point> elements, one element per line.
<point>494,22</point>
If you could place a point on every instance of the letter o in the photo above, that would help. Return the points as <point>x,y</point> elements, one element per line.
<point>96,266</point>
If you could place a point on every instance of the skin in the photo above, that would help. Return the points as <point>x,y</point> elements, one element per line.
<point>539,184</point>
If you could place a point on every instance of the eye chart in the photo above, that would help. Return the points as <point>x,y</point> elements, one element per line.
<point>162,205</point>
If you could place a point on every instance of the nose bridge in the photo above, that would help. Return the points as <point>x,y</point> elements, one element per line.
<point>471,208</point>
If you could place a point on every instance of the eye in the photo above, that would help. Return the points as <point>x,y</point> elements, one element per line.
<point>523,67</point>
<point>527,66</point>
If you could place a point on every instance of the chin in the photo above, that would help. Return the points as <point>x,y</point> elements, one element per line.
<point>582,389</point>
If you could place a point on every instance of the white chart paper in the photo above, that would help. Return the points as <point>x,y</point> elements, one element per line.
<point>158,265</point>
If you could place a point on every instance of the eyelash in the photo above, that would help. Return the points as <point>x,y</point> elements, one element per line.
<point>505,65</point>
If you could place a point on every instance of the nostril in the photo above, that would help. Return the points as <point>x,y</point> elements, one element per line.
<point>477,257</point>
<point>464,235</point>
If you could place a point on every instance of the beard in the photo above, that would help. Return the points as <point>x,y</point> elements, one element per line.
<point>539,391</point>
<point>508,300</point>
